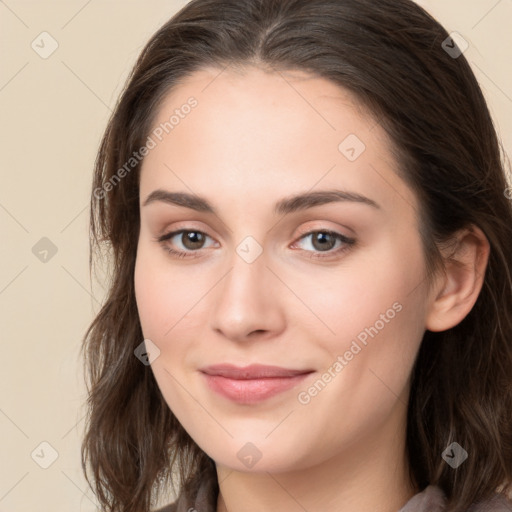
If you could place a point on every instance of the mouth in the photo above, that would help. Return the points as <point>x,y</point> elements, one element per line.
<point>251,384</point>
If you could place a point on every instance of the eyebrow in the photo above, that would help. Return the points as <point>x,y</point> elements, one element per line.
<point>289,204</point>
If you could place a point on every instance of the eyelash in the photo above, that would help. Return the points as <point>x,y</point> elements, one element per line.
<point>349,242</point>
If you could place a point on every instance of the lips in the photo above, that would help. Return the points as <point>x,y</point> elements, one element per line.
<point>254,371</point>
<point>251,384</point>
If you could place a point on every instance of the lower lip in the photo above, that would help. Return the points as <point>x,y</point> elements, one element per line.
<point>250,391</point>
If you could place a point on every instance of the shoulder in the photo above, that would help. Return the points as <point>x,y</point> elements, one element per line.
<point>498,503</point>
<point>199,494</point>
<point>168,508</point>
<point>432,499</point>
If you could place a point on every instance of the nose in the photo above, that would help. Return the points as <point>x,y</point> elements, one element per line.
<point>248,302</point>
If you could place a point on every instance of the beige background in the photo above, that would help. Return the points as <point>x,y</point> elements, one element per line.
<point>53,112</point>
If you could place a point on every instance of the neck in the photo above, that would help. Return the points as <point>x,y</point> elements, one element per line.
<point>371,474</point>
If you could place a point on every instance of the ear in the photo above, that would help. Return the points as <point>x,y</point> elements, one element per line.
<point>456,290</point>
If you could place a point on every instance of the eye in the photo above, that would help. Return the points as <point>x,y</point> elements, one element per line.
<point>324,241</point>
<point>191,241</point>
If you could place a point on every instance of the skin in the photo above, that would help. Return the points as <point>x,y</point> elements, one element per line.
<point>254,138</point>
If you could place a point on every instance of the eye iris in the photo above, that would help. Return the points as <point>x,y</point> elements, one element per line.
<point>192,239</point>
<point>320,236</point>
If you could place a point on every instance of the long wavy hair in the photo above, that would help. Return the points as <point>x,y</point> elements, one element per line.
<point>394,57</point>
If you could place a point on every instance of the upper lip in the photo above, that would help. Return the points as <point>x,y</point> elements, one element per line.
<point>253,371</point>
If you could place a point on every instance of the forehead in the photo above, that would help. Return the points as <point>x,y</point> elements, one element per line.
<point>263,99</point>
<point>256,129</point>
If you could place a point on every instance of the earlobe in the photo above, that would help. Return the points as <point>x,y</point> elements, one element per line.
<point>456,291</point>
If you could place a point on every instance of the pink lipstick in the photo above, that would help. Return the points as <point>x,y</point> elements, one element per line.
<point>251,384</point>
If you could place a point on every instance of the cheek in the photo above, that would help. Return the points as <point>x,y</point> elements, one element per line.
<point>388,318</point>
<point>155,296</point>
<point>164,296</point>
<point>173,306</point>
<point>375,311</point>
<point>161,292</point>
<point>376,290</point>
<point>160,300</point>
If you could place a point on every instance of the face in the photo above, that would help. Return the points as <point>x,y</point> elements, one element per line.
<point>326,291</point>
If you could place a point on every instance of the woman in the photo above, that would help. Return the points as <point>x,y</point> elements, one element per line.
<point>237,358</point>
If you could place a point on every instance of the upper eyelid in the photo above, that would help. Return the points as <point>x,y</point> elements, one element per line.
<point>186,226</point>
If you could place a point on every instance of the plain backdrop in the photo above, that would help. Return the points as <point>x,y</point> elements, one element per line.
<point>53,112</point>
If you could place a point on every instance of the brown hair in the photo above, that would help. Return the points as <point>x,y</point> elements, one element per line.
<point>390,54</point>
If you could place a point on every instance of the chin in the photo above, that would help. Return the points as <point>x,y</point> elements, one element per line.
<point>259,455</point>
